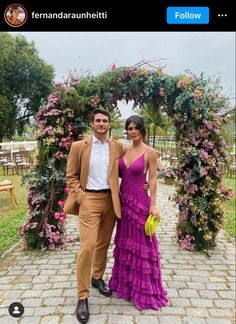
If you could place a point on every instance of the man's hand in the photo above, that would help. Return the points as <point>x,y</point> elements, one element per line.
<point>146,186</point>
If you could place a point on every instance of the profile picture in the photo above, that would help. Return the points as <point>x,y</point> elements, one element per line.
<point>15,15</point>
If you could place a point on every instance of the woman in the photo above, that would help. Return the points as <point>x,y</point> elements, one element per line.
<point>136,273</point>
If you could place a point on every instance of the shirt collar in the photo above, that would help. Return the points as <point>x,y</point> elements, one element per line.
<point>96,140</point>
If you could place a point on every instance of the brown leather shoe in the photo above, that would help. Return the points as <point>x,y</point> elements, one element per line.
<point>101,286</point>
<point>82,311</point>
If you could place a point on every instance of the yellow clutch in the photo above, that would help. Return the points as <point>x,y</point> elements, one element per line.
<point>151,225</point>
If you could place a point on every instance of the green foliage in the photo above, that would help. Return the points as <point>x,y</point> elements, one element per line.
<point>7,113</point>
<point>25,82</point>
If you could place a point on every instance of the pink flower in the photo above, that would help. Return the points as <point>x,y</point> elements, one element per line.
<point>69,126</point>
<point>230,194</point>
<point>222,188</point>
<point>57,215</point>
<point>63,214</point>
<point>58,154</point>
<point>53,112</point>
<point>62,219</point>
<point>61,203</point>
<point>192,189</point>
<point>70,239</point>
<point>66,190</point>
<point>113,67</point>
<point>55,237</point>
<point>204,171</point>
<point>48,130</point>
<point>161,92</point>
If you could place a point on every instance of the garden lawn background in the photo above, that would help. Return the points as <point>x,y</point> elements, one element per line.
<point>10,217</point>
<point>229,208</point>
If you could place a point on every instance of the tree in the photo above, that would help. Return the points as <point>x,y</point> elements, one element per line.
<point>154,120</point>
<point>116,121</point>
<point>25,82</point>
<point>6,114</point>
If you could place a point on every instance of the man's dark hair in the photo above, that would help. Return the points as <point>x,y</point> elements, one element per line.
<point>14,8</point>
<point>100,111</point>
<point>139,122</point>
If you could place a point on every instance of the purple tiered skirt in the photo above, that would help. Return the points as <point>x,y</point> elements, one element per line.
<point>136,274</point>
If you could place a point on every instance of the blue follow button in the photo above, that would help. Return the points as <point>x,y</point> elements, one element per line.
<point>188,15</point>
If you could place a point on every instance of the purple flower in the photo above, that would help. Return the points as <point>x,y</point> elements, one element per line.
<point>53,112</point>
<point>193,140</point>
<point>186,244</point>
<point>203,155</point>
<point>208,124</point>
<point>216,129</point>
<point>48,130</point>
<point>183,216</point>
<point>192,189</point>
<point>216,153</point>
<point>223,143</point>
<point>208,144</point>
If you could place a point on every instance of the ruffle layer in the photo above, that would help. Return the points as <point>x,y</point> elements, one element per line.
<point>143,295</point>
<point>129,248</point>
<point>136,211</point>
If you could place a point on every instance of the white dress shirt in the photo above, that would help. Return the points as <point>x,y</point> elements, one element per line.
<point>98,165</point>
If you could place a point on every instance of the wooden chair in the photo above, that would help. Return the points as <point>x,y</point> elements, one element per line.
<point>22,162</point>
<point>7,185</point>
<point>8,163</point>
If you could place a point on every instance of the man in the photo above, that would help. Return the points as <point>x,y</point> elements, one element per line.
<point>92,175</point>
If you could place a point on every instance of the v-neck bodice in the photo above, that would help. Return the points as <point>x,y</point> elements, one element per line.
<point>134,172</point>
<point>127,166</point>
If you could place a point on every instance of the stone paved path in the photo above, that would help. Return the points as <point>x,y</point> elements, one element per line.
<point>201,289</point>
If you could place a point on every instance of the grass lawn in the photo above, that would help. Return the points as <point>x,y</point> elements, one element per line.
<point>229,208</point>
<point>10,217</point>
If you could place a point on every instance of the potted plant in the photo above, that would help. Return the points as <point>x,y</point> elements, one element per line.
<point>168,173</point>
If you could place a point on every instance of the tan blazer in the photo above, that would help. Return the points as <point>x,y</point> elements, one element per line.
<point>78,166</point>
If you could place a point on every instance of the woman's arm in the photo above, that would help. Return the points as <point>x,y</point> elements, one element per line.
<point>152,163</point>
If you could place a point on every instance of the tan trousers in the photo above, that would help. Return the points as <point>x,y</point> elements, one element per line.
<point>96,223</point>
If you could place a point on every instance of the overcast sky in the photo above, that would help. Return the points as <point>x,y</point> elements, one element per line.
<point>209,52</point>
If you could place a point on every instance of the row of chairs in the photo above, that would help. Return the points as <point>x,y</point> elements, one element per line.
<point>16,162</point>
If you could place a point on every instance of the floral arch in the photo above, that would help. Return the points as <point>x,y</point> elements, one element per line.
<point>190,101</point>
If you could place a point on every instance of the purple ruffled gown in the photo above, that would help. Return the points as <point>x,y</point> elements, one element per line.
<point>136,273</point>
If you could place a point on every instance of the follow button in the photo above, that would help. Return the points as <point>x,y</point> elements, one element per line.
<point>188,15</point>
